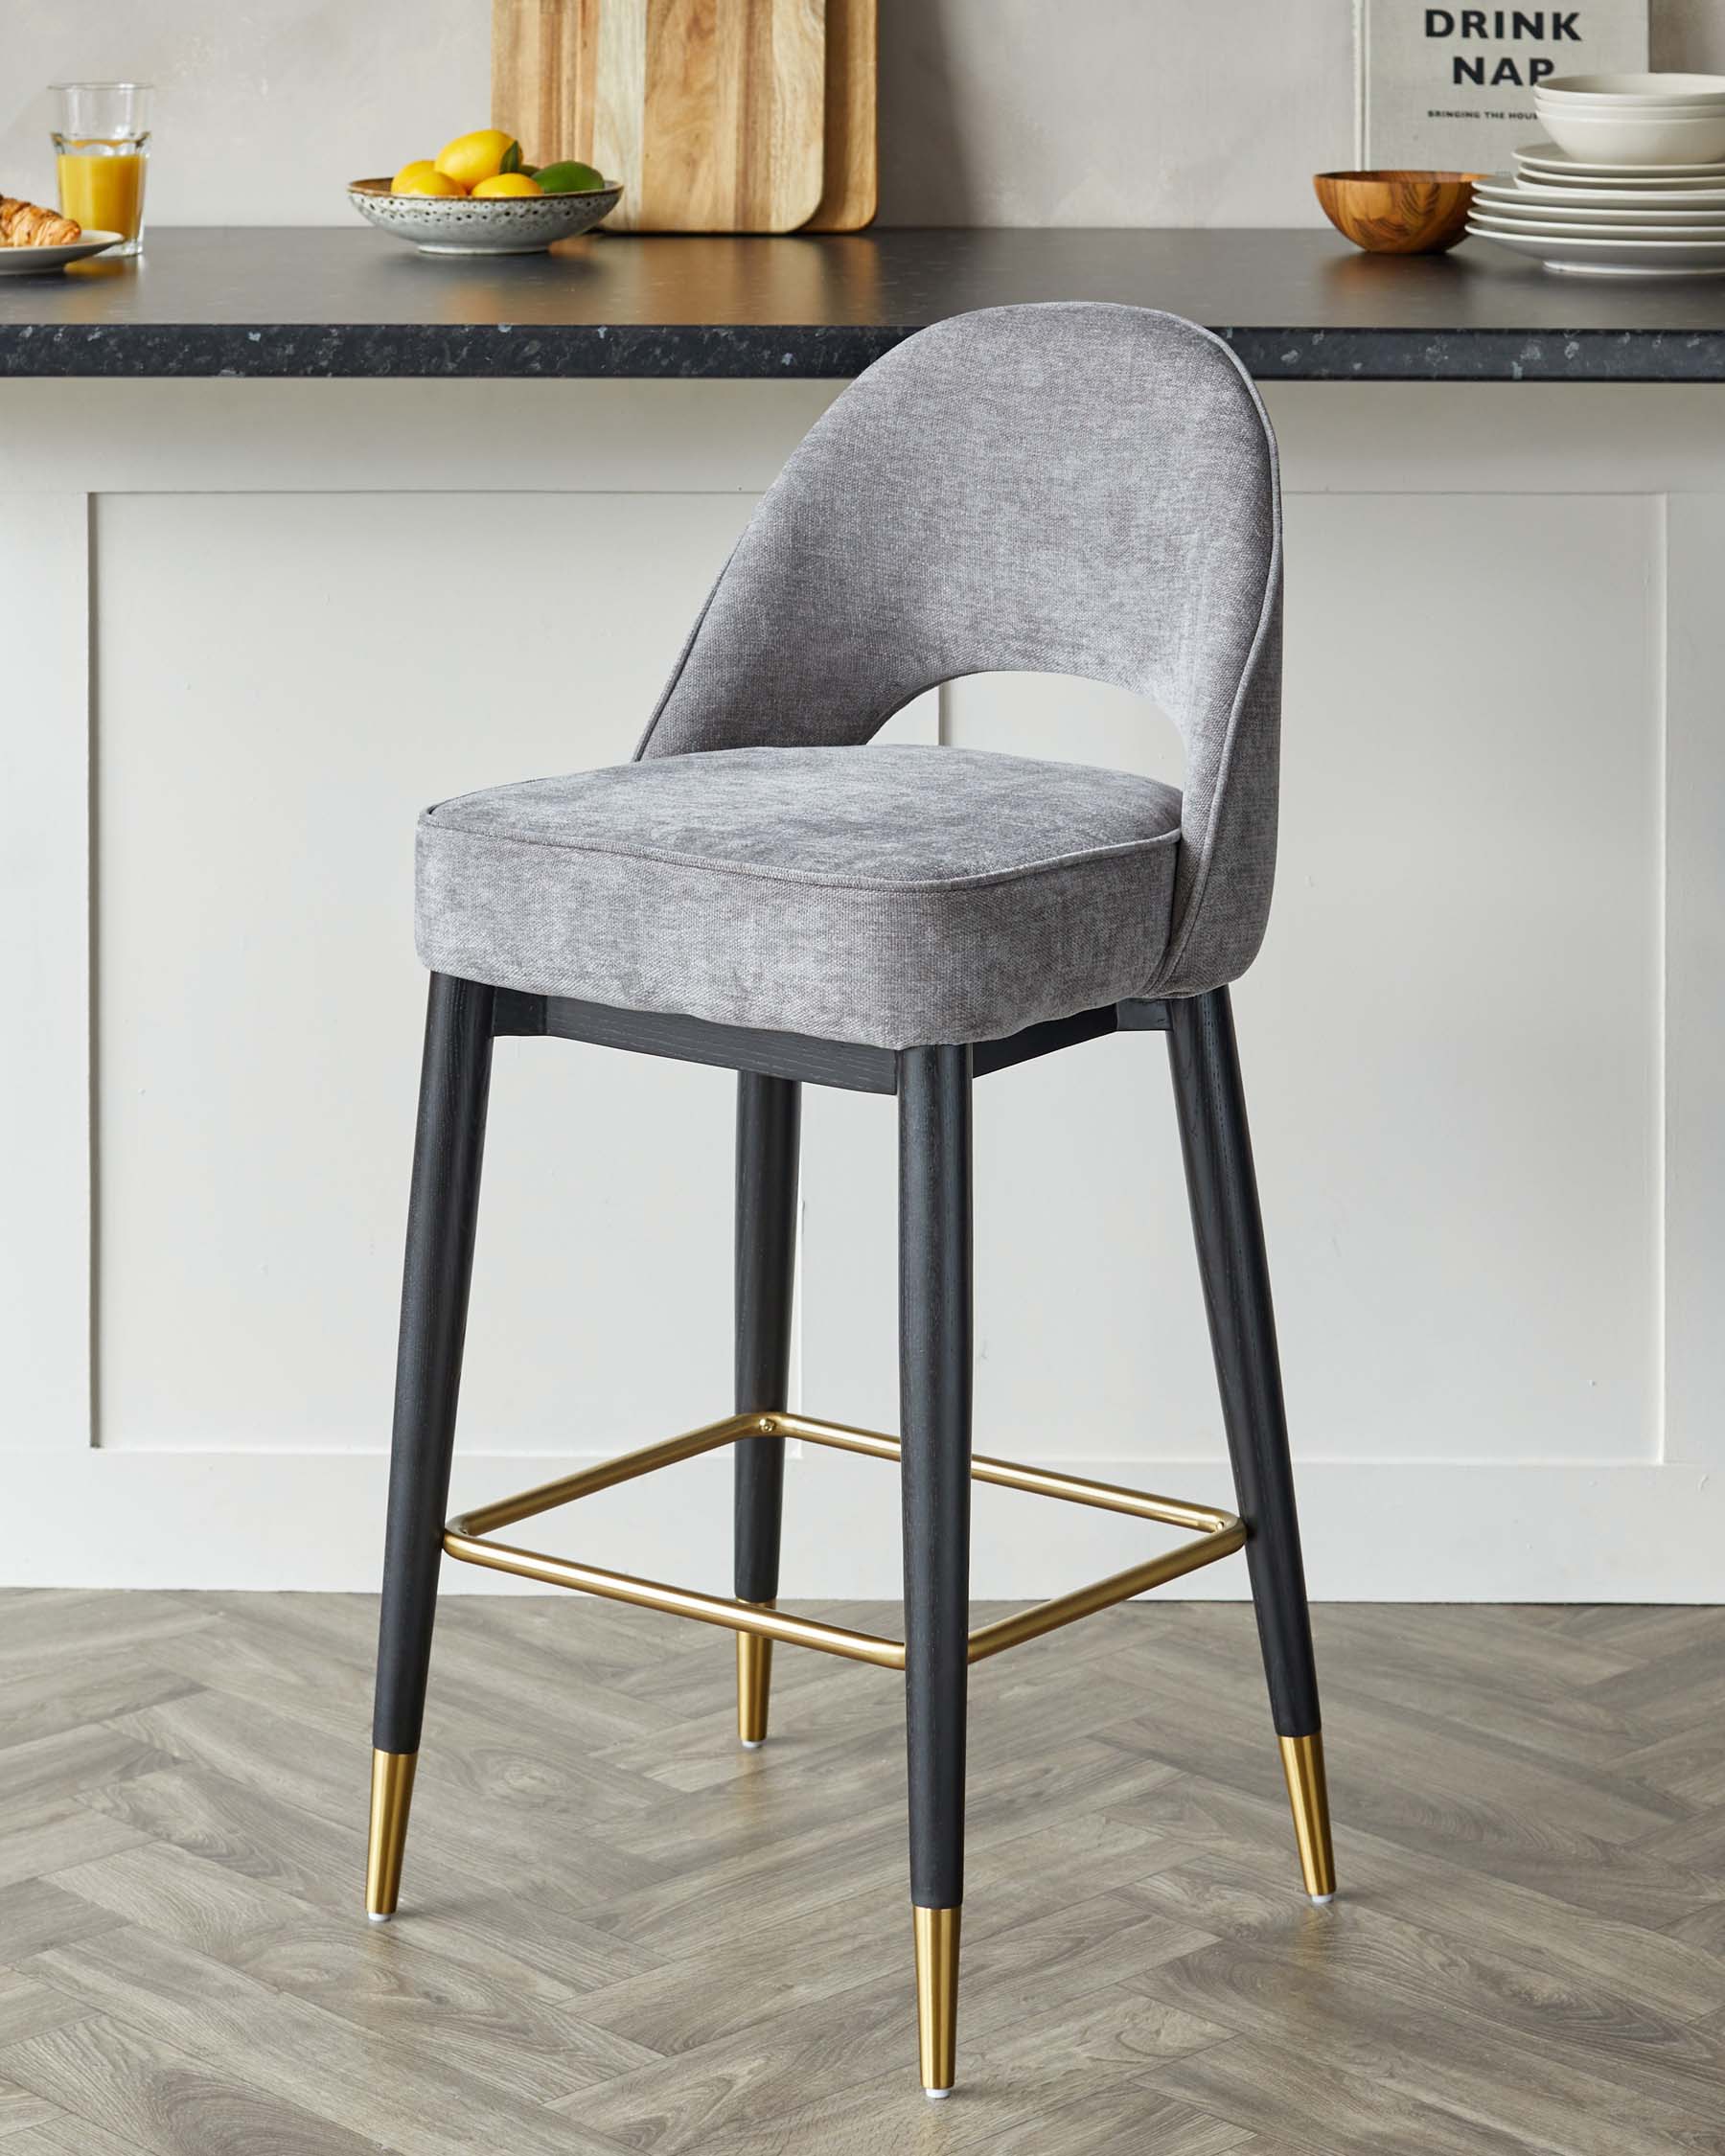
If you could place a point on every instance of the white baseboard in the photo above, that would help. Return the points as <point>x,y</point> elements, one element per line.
<point>1373,1532</point>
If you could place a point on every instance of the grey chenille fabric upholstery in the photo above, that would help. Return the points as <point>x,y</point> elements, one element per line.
<point>890,895</point>
<point>1071,488</point>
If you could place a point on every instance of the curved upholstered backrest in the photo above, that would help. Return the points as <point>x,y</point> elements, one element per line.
<point>1069,489</point>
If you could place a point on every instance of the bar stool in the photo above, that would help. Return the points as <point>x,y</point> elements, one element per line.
<point>1081,490</point>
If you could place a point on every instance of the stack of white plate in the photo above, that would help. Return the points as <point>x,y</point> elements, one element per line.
<point>1631,185</point>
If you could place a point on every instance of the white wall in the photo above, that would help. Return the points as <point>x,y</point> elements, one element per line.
<point>1085,112</point>
<point>1483,1045</point>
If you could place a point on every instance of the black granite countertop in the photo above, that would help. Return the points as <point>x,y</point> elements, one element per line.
<point>1296,306</point>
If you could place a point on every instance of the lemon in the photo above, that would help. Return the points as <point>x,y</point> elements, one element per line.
<point>507,183</point>
<point>479,156</point>
<point>422,177</point>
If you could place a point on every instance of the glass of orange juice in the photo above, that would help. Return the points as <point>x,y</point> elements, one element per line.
<point>101,147</point>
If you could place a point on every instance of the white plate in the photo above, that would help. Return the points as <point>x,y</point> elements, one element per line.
<point>1484,220</point>
<point>20,261</point>
<point>1612,258</point>
<point>1522,208</point>
<point>1546,156</point>
<point>1701,221</point>
<point>1635,183</point>
<point>1593,201</point>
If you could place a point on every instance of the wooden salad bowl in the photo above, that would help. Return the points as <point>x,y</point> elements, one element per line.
<point>1398,212</point>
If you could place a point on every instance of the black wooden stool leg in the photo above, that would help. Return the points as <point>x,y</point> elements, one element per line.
<point>454,1079</point>
<point>769,1114</point>
<point>934,1395</point>
<point>1230,1231</point>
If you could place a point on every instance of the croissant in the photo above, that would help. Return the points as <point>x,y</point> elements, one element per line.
<point>26,224</point>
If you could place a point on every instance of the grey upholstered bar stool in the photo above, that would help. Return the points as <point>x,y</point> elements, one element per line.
<point>1080,490</point>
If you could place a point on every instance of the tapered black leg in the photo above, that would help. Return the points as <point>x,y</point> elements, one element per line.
<point>769,1116</point>
<point>442,1210</point>
<point>934,1391</point>
<point>1230,1231</point>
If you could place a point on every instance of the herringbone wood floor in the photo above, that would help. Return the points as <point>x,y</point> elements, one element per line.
<point>621,1933</point>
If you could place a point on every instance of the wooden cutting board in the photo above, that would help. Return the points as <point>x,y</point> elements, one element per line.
<point>847,200</point>
<point>711,112</point>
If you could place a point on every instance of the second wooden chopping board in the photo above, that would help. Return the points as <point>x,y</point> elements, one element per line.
<point>711,112</point>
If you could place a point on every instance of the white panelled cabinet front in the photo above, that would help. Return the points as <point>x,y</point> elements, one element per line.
<point>256,626</point>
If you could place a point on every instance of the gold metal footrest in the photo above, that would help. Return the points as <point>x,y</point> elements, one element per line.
<point>1218,1535</point>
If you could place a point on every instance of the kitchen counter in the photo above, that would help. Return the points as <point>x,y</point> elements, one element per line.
<point>1296,305</point>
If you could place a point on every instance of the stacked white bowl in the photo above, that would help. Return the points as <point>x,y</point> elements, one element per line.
<point>1635,119</point>
<point>1630,184</point>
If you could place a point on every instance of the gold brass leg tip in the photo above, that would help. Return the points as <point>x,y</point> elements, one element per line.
<point>937,1999</point>
<point>755,1685</point>
<point>391,1796</point>
<point>1308,1795</point>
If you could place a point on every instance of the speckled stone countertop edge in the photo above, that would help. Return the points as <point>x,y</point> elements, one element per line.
<point>764,352</point>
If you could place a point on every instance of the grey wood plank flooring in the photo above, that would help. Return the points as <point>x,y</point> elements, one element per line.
<point>620,1933</point>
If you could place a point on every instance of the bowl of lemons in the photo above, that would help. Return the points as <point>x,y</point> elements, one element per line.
<point>478,195</point>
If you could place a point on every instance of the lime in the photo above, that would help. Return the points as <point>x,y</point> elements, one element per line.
<point>570,177</point>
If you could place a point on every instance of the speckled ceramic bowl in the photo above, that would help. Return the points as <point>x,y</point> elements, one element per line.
<point>503,224</point>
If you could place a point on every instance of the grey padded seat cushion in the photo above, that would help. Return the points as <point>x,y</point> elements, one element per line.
<point>898,896</point>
